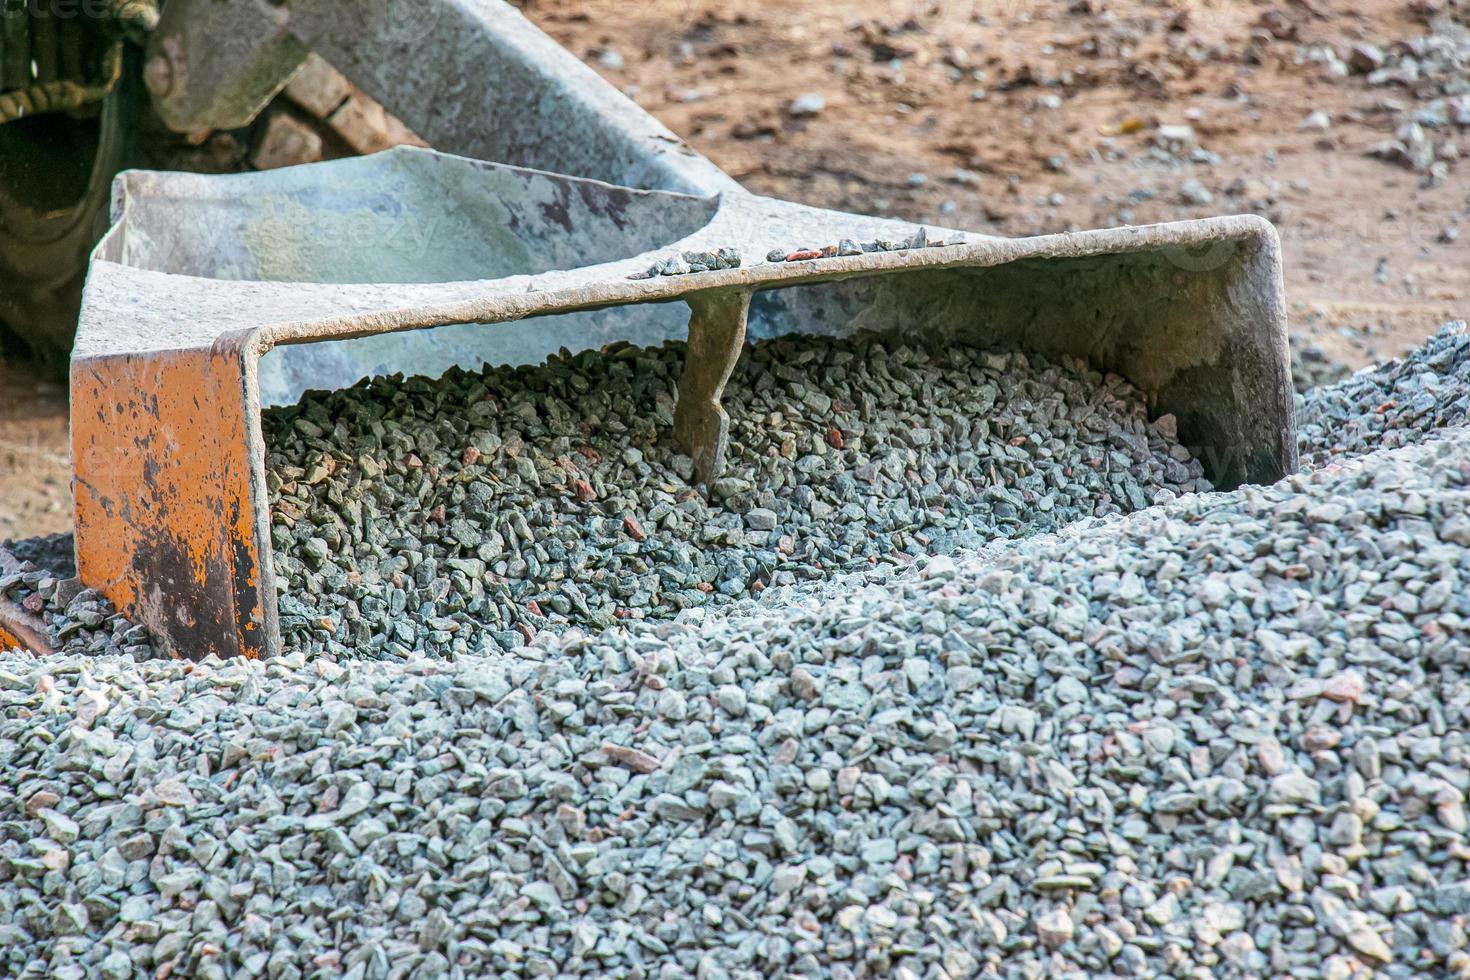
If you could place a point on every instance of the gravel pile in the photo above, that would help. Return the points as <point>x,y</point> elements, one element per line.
<point>457,516</point>
<point>1434,70</point>
<point>1225,736</point>
<point>54,552</point>
<point>688,263</point>
<point>1389,405</point>
<point>1386,406</point>
<point>849,247</point>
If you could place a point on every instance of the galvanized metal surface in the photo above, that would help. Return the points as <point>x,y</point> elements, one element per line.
<point>408,217</point>
<point>470,76</point>
<point>172,512</point>
<point>473,77</point>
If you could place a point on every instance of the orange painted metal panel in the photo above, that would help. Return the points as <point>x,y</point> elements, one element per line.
<point>164,448</point>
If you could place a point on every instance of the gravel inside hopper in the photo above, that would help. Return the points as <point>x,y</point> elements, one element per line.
<point>478,510</point>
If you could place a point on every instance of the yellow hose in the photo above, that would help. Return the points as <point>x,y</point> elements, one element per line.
<point>64,94</point>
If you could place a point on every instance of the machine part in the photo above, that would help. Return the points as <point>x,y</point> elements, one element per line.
<point>202,277</point>
<point>19,630</point>
<point>717,325</point>
<point>212,296</point>
<point>63,93</point>
<point>52,60</point>
<point>216,65</point>
<point>58,154</point>
<point>135,18</point>
<point>472,77</point>
<point>55,177</point>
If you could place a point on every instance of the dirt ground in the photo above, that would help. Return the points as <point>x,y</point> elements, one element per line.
<point>1018,117</point>
<point>34,470</point>
<point>991,116</point>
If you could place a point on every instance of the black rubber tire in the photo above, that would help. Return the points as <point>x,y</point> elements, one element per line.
<point>48,226</point>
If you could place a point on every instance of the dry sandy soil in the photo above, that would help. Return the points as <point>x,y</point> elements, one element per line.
<point>1018,117</point>
<point>1041,82</point>
<point>34,470</point>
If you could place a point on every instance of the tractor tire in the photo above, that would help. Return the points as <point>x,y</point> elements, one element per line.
<point>56,175</point>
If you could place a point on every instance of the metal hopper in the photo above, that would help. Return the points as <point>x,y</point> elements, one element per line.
<point>214,295</point>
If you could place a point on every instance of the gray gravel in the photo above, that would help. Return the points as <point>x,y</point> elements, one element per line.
<point>453,516</point>
<point>78,620</point>
<point>53,552</point>
<point>1433,71</point>
<point>1223,736</point>
<point>1312,367</point>
<point>1172,742</point>
<point>1388,405</point>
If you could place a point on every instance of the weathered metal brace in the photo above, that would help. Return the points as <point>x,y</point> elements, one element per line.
<point>716,338</point>
<point>19,628</point>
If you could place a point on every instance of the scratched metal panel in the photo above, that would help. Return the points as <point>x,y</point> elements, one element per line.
<point>169,510</point>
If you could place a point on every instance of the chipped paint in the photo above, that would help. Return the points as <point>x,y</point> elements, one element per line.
<point>165,510</point>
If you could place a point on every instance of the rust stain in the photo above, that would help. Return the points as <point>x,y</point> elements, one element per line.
<point>164,511</point>
<point>9,641</point>
<point>19,630</point>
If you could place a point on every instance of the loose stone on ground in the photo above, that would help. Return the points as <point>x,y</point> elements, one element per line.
<point>1219,736</point>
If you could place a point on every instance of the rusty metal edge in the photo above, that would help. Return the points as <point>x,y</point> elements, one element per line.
<point>18,628</point>
<point>1247,230</point>
<point>259,497</point>
<point>199,529</point>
